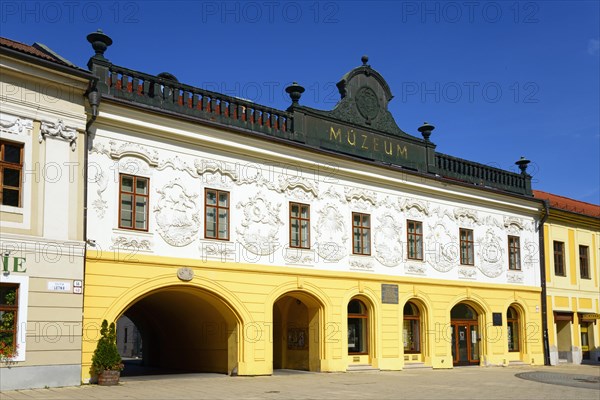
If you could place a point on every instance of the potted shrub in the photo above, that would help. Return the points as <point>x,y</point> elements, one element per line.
<point>106,361</point>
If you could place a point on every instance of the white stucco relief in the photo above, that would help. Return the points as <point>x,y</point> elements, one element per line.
<point>514,226</point>
<point>208,166</point>
<point>414,268</point>
<point>133,165</point>
<point>466,218</point>
<point>177,214</point>
<point>361,265</point>
<point>493,222</point>
<point>491,254</point>
<point>300,195</point>
<point>514,277</point>
<point>131,244</point>
<point>466,272</point>
<point>441,248</point>
<point>443,212</point>
<point>361,200</point>
<point>214,249</point>
<point>59,130</point>
<point>15,125</point>
<point>332,235</point>
<point>117,151</point>
<point>178,164</point>
<point>332,194</point>
<point>101,180</point>
<point>259,230</point>
<point>299,256</point>
<point>387,240</point>
<point>287,184</point>
<point>414,208</point>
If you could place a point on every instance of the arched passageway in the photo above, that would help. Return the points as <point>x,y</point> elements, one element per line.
<point>185,329</point>
<point>297,332</point>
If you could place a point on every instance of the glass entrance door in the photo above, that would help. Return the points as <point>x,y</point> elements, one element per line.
<point>465,343</point>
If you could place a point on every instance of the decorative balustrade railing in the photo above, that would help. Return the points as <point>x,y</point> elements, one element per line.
<point>482,175</point>
<point>170,95</point>
<point>173,96</point>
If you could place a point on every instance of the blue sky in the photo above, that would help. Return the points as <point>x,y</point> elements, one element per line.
<point>498,79</point>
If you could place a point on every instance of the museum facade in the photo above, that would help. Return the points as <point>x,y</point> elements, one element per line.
<point>241,239</point>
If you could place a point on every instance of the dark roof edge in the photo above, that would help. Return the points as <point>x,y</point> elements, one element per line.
<point>582,215</point>
<point>81,73</point>
<point>43,48</point>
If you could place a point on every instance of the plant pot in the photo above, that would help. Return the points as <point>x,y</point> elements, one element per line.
<point>109,378</point>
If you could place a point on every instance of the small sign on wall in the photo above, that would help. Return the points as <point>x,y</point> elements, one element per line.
<point>78,287</point>
<point>497,319</point>
<point>590,317</point>
<point>54,286</point>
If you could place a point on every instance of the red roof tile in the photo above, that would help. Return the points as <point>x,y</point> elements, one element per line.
<point>25,48</point>
<point>567,204</point>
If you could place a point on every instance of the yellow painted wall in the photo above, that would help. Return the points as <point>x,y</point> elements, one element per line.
<point>246,293</point>
<point>571,293</point>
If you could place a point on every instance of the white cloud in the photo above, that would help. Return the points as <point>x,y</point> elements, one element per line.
<point>593,47</point>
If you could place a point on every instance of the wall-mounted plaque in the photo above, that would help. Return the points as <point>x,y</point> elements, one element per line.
<point>297,339</point>
<point>389,293</point>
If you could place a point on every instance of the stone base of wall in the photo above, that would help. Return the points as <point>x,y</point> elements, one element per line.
<point>572,357</point>
<point>14,378</point>
<point>594,357</point>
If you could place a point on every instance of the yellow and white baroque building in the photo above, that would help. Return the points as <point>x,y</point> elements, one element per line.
<point>239,251</point>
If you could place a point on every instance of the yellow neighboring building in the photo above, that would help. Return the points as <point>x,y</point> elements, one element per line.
<point>242,239</point>
<point>571,243</point>
<point>42,153</point>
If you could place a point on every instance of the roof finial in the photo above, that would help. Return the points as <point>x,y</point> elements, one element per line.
<point>365,60</point>
<point>295,91</point>
<point>522,163</point>
<point>100,42</point>
<point>426,130</point>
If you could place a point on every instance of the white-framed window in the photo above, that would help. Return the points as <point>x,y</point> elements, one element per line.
<point>30,173</point>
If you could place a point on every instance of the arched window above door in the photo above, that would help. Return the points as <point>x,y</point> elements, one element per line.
<point>463,311</point>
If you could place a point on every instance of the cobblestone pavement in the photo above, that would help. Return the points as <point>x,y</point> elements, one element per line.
<point>458,383</point>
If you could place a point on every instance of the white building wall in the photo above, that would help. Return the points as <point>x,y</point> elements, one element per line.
<point>262,182</point>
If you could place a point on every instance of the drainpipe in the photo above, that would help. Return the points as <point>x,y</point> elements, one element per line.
<point>543,279</point>
<point>94,100</point>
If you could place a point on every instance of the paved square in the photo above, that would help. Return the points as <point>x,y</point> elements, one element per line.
<point>461,383</point>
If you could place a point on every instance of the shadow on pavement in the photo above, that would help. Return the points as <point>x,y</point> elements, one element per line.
<point>136,368</point>
<point>556,378</point>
